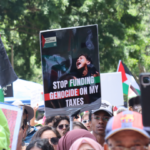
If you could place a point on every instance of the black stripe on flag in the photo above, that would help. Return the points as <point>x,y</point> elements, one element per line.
<point>126,69</point>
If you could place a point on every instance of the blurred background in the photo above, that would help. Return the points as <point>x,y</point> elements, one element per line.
<point>123,29</point>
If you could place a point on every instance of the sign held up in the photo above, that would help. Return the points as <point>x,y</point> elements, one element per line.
<point>70,65</point>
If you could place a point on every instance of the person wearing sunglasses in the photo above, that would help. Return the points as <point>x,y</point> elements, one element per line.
<point>86,121</point>
<point>61,124</point>
<point>40,144</point>
<point>49,133</point>
<point>125,131</point>
<point>99,119</point>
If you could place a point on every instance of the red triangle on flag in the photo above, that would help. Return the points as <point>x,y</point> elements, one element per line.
<point>43,41</point>
<point>121,69</point>
<point>115,108</point>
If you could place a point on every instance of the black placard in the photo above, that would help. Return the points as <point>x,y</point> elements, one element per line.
<point>70,65</point>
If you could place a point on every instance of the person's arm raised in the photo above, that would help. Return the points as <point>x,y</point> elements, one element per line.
<point>33,121</point>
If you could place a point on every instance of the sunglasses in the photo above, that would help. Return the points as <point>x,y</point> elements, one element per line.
<point>54,140</point>
<point>63,125</point>
<point>85,121</point>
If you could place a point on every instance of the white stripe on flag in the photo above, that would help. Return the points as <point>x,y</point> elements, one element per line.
<point>132,81</point>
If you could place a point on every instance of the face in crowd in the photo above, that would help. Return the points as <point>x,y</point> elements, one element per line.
<point>125,131</point>
<point>127,139</point>
<point>23,129</point>
<point>62,126</point>
<point>86,122</point>
<point>49,133</point>
<point>40,144</point>
<point>98,122</point>
<point>82,62</point>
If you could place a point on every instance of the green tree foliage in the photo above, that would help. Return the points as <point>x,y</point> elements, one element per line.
<point>123,28</point>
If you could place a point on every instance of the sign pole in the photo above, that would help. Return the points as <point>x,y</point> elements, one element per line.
<point>71,122</point>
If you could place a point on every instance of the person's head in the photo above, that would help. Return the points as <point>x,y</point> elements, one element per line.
<point>47,132</point>
<point>61,124</point>
<point>135,105</point>
<point>125,130</point>
<point>40,144</point>
<point>77,118</point>
<point>50,121</point>
<point>86,121</point>
<point>121,109</point>
<point>78,125</point>
<point>82,61</point>
<point>28,111</point>
<point>85,144</point>
<point>68,139</point>
<point>27,116</point>
<point>100,117</point>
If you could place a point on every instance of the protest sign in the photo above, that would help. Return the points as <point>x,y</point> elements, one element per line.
<point>112,91</point>
<point>36,96</point>
<point>13,115</point>
<point>70,65</point>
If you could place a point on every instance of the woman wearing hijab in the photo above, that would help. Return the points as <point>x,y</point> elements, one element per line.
<point>67,140</point>
<point>85,143</point>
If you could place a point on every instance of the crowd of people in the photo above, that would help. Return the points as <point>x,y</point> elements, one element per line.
<point>101,129</point>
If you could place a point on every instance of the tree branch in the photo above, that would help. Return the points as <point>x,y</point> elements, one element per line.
<point>15,29</point>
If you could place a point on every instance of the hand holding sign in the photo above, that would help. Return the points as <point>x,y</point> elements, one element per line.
<point>36,108</point>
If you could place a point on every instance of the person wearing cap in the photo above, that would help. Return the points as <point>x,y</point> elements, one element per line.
<point>27,116</point>
<point>125,131</point>
<point>99,119</point>
<point>28,111</point>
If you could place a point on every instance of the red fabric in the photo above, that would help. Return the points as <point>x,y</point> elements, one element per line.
<point>44,118</point>
<point>117,122</point>
<point>115,108</point>
<point>134,118</point>
<point>137,123</point>
<point>67,140</point>
<point>121,69</point>
<point>43,41</point>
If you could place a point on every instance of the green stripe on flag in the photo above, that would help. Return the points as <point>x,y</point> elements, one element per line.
<point>1,96</point>
<point>47,45</point>
<point>138,91</point>
<point>97,79</point>
<point>125,88</point>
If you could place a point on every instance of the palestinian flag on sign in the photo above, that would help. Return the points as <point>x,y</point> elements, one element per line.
<point>127,78</point>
